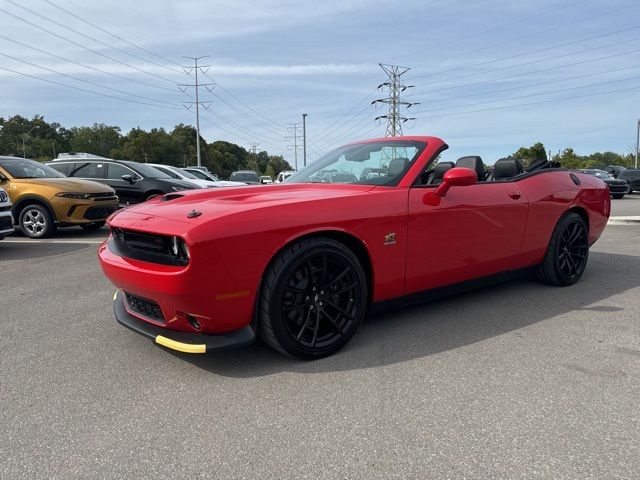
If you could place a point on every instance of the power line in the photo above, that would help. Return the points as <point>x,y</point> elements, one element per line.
<point>558,80</point>
<point>113,59</point>
<point>534,103</point>
<point>98,27</point>
<point>509,24</point>
<point>104,44</point>
<point>535,94</point>
<point>105,72</point>
<point>530,52</point>
<point>86,81</point>
<point>581,62</point>
<point>531,62</point>
<point>537,33</point>
<point>87,91</point>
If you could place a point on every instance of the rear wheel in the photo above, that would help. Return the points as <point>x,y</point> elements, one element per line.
<point>314,297</point>
<point>93,226</point>
<point>36,221</point>
<point>567,253</point>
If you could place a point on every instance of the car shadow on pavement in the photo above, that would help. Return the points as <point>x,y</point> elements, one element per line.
<point>441,325</point>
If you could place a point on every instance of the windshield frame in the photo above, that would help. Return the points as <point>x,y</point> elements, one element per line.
<point>302,175</point>
<point>7,164</point>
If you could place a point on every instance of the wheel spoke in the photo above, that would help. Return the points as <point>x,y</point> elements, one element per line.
<point>316,327</point>
<point>294,307</point>
<point>341,310</point>
<point>338,278</point>
<point>333,322</point>
<point>345,289</point>
<point>304,325</point>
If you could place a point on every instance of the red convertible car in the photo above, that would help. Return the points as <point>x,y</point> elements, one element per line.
<point>301,263</point>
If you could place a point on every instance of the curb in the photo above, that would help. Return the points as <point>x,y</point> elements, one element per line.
<point>634,220</point>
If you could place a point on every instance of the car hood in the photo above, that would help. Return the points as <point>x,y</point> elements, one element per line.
<point>68,184</point>
<point>216,202</point>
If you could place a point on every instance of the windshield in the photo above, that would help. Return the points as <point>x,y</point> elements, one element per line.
<point>598,173</point>
<point>29,169</point>
<point>147,171</point>
<point>184,173</point>
<point>373,163</point>
<point>244,177</point>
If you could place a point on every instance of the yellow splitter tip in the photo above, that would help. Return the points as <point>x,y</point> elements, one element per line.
<point>179,346</point>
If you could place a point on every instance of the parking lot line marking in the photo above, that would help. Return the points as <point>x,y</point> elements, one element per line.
<point>36,242</point>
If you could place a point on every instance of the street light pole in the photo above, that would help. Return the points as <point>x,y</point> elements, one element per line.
<point>637,142</point>
<point>304,138</point>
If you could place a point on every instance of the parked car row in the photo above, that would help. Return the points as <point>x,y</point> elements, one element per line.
<point>618,187</point>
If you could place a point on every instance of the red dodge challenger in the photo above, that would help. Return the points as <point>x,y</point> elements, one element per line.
<point>301,263</point>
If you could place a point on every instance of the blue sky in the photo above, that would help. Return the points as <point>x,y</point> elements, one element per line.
<point>490,76</point>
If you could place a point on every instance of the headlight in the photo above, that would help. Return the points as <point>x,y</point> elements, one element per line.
<point>178,189</point>
<point>179,248</point>
<point>76,195</point>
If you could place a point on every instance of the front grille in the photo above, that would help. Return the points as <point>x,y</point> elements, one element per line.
<point>98,213</point>
<point>5,223</point>
<point>102,196</point>
<point>145,307</point>
<point>147,247</point>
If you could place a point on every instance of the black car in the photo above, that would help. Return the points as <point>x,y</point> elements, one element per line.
<point>614,170</point>
<point>133,182</point>
<point>632,177</point>
<point>617,187</point>
<point>246,176</point>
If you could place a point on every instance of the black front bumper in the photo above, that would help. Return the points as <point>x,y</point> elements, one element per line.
<point>181,341</point>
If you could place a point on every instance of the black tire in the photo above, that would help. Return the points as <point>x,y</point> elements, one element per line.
<point>93,225</point>
<point>567,253</point>
<point>307,309</point>
<point>36,221</point>
<point>618,196</point>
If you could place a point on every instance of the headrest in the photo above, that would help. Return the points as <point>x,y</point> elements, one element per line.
<point>441,168</point>
<point>507,168</point>
<point>397,165</point>
<point>474,163</point>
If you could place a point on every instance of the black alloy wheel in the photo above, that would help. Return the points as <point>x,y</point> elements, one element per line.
<point>313,299</point>
<point>568,252</point>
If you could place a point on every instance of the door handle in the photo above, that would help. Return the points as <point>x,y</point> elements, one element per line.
<point>515,195</point>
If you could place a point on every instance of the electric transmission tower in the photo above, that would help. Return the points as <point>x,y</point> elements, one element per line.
<point>295,130</point>
<point>394,118</point>
<point>197,85</point>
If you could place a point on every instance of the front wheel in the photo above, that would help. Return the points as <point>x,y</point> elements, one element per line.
<point>567,253</point>
<point>36,221</point>
<point>314,297</point>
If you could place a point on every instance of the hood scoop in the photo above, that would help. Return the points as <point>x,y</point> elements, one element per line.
<point>171,196</point>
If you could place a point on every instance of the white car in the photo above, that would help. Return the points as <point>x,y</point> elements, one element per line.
<point>6,219</point>
<point>180,174</point>
<point>203,174</point>
<point>282,176</point>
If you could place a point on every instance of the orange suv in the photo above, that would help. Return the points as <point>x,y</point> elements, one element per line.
<point>44,199</point>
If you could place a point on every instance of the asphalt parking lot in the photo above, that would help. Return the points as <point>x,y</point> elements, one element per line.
<point>629,205</point>
<point>516,381</point>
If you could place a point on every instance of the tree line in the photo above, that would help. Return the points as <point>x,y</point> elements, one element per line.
<point>41,140</point>
<point>568,158</point>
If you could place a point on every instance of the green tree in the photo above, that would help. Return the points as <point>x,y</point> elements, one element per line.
<point>531,154</point>
<point>99,139</point>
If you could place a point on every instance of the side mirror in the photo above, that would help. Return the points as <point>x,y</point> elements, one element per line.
<point>128,178</point>
<point>456,177</point>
